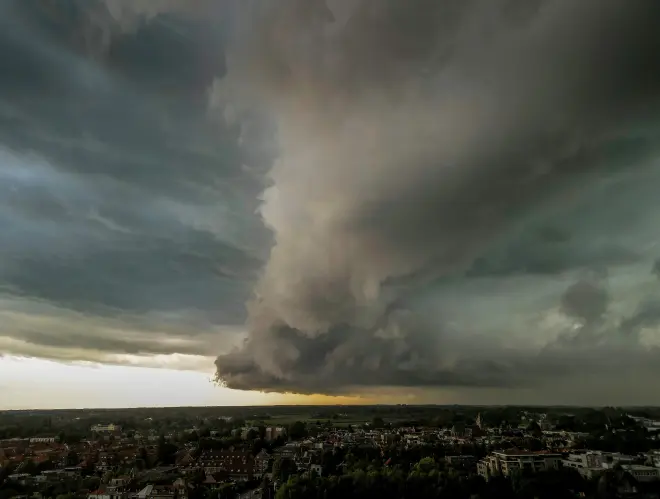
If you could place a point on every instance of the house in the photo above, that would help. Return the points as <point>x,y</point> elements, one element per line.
<point>289,451</point>
<point>213,478</point>
<point>317,469</point>
<point>261,463</point>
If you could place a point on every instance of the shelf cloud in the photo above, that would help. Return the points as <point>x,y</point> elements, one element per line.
<point>337,196</point>
<point>413,138</point>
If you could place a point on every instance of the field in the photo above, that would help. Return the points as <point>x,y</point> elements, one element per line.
<point>338,418</point>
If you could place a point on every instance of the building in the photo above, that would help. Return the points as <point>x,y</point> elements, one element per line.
<point>109,428</point>
<point>588,464</point>
<point>611,459</point>
<point>505,462</point>
<point>316,468</point>
<point>261,463</point>
<point>274,432</point>
<point>238,465</point>
<point>43,440</point>
<point>162,492</point>
<point>642,473</point>
<point>458,430</point>
<point>289,451</point>
<point>245,432</point>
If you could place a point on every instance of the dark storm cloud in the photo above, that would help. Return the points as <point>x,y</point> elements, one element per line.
<point>416,137</point>
<point>586,301</point>
<point>447,193</point>
<point>119,197</point>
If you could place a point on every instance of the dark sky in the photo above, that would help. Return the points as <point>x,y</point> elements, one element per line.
<point>337,197</point>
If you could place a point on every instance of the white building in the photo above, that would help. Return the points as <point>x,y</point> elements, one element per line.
<point>505,462</point>
<point>588,464</point>
<point>642,473</point>
<point>593,463</point>
<point>611,459</point>
<point>43,440</point>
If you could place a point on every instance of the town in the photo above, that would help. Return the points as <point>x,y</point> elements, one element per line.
<point>380,451</point>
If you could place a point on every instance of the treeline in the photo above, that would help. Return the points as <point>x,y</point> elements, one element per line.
<point>429,479</point>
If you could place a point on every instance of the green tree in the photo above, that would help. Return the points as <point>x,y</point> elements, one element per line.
<point>165,451</point>
<point>30,467</point>
<point>72,458</point>
<point>425,465</point>
<point>8,493</point>
<point>91,483</point>
<point>252,434</point>
<point>378,422</point>
<point>283,468</point>
<point>297,430</point>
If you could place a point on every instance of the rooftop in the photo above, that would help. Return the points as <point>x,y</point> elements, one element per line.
<point>518,452</point>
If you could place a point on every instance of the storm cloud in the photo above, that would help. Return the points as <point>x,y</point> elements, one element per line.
<point>126,219</point>
<point>417,140</point>
<point>336,196</point>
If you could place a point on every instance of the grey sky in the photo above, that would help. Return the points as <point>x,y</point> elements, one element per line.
<point>337,197</point>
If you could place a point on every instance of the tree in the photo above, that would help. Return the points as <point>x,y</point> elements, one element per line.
<point>283,468</point>
<point>91,483</point>
<point>165,451</point>
<point>257,445</point>
<point>143,456</point>
<point>425,465</point>
<point>45,466</point>
<point>297,430</point>
<point>378,422</point>
<point>72,458</point>
<point>8,493</point>
<point>252,434</point>
<point>534,428</point>
<point>266,488</point>
<point>30,468</point>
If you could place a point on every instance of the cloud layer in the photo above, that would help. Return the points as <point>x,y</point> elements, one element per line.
<point>127,222</point>
<point>335,196</point>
